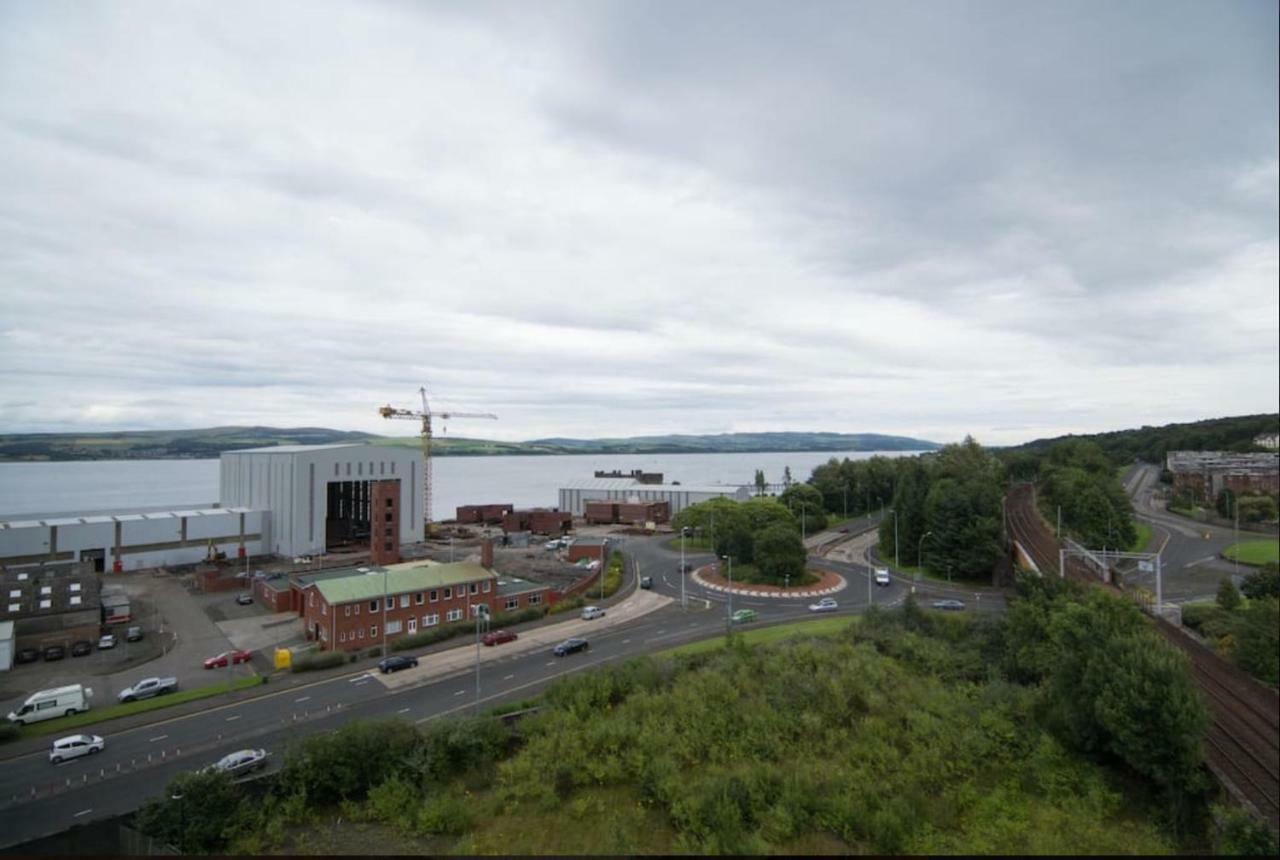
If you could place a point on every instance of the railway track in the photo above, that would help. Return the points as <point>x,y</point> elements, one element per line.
<point>1243,739</point>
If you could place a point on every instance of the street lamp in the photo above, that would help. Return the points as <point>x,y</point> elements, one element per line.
<point>384,612</point>
<point>896,562</point>
<point>684,604</point>
<point>919,549</point>
<point>728,623</point>
<point>176,797</point>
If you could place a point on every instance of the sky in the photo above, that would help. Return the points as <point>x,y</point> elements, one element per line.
<point>1005,219</point>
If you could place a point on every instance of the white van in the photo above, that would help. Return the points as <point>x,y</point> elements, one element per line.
<point>882,576</point>
<point>47,704</point>
<point>75,746</point>
<point>589,612</point>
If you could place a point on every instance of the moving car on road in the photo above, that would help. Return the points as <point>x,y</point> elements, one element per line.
<point>239,762</point>
<point>589,612</point>
<point>74,746</point>
<point>82,648</point>
<point>497,637</point>
<point>148,687</point>
<point>396,663</point>
<point>826,604</point>
<point>232,657</point>
<point>570,646</point>
<point>742,616</point>
<point>646,582</point>
<point>882,576</point>
<point>948,604</point>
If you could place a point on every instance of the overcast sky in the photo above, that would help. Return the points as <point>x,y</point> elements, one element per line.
<point>1006,219</point>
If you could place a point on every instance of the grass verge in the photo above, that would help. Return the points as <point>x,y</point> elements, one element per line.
<point>98,715</point>
<point>690,544</point>
<point>763,635</point>
<point>1256,552</point>
<point>1144,536</point>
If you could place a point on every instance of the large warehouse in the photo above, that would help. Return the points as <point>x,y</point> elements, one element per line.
<point>575,494</point>
<point>328,497</point>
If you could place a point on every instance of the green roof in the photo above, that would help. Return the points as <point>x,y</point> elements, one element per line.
<point>401,578</point>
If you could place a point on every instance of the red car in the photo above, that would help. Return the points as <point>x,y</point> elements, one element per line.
<point>497,637</point>
<point>232,656</point>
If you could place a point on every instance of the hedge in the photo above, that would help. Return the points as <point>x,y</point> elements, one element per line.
<point>324,660</point>
<point>448,631</point>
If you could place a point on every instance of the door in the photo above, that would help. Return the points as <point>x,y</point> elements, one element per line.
<point>413,625</point>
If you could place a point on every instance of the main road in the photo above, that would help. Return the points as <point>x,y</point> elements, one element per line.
<point>38,798</point>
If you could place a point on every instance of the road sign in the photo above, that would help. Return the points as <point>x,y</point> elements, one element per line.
<point>1146,566</point>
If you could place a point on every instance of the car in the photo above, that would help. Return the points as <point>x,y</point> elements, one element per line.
<point>26,655</point>
<point>590,612</point>
<point>685,567</point>
<point>570,646</point>
<point>826,604</point>
<point>646,582</point>
<point>948,604</point>
<point>742,616</point>
<point>552,544</point>
<point>54,652</point>
<point>245,599</point>
<point>81,648</point>
<point>107,641</point>
<point>133,634</point>
<point>882,576</point>
<point>146,688</point>
<point>396,663</point>
<point>74,746</point>
<point>239,763</point>
<point>232,657</point>
<point>497,637</point>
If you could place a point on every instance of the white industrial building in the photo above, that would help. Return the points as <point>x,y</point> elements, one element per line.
<point>575,494</point>
<point>319,496</point>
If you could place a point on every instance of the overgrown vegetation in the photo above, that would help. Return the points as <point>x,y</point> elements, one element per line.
<point>761,532</point>
<point>1077,477</point>
<point>908,732</point>
<point>1244,629</point>
<point>317,660</point>
<point>1152,443</point>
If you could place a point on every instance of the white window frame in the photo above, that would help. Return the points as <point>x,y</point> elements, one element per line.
<point>393,626</point>
<point>487,583</point>
<point>431,620</point>
<point>419,599</point>
<point>454,615</point>
<point>404,601</point>
<point>448,593</point>
<point>434,595</point>
<point>535,599</point>
<point>373,605</point>
<point>373,631</point>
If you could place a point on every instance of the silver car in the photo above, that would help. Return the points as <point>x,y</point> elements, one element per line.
<point>75,746</point>
<point>240,762</point>
<point>954,605</point>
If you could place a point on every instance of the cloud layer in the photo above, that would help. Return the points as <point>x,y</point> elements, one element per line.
<point>603,219</point>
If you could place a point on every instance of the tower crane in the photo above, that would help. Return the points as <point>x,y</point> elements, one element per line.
<point>426,415</point>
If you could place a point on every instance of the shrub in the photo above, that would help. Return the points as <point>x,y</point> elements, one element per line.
<point>445,814</point>
<point>1228,596</point>
<point>9,732</point>
<point>576,602</point>
<point>321,660</point>
<point>1262,583</point>
<point>393,802</point>
<point>430,636</point>
<point>346,762</point>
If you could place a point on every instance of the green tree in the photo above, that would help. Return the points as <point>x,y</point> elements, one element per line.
<point>805,503</point>
<point>1228,597</point>
<point>761,483</point>
<point>1264,582</point>
<point>779,553</point>
<point>1258,640</point>
<point>909,512</point>
<point>199,813</point>
<point>1226,503</point>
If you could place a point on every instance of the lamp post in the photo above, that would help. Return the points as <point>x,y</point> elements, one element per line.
<point>482,612</point>
<point>684,604</point>
<point>176,797</point>
<point>728,621</point>
<point>920,549</point>
<point>384,612</point>
<point>896,562</point>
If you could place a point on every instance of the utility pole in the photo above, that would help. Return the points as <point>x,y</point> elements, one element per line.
<point>384,612</point>
<point>896,561</point>
<point>684,603</point>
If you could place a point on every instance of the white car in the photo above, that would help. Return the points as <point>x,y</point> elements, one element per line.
<point>552,544</point>
<point>74,746</point>
<point>589,612</point>
<point>826,604</point>
<point>240,762</point>
<point>108,641</point>
<point>882,576</point>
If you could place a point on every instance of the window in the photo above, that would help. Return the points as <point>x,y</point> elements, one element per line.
<point>361,632</point>
<point>388,546</point>
<point>335,470</point>
<point>535,599</point>
<point>393,467</point>
<point>454,615</point>
<point>388,531</point>
<point>417,599</point>
<point>46,589</point>
<point>75,600</point>
<point>373,631</point>
<point>22,577</point>
<point>404,601</point>
<point>357,609</point>
<point>487,584</point>
<point>311,599</point>
<point>430,620</point>
<point>373,605</point>
<point>413,625</point>
<point>342,636</point>
<point>475,588</point>
<point>75,586</point>
<point>448,593</point>
<point>393,627</point>
<point>388,515</point>
<point>347,610</point>
<point>360,468</point>
<point>382,468</point>
<point>45,604</point>
<point>512,603</point>
<point>324,609</point>
<point>15,592</point>
<point>434,595</point>
<point>14,607</point>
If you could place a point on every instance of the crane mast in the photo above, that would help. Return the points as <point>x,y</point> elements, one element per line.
<point>425,417</point>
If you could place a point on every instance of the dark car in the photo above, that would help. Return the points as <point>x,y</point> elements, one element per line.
<point>948,604</point>
<point>570,646</point>
<point>646,582</point>
<point>134,634</point>
<point>395,664</point>
<point>54,652</point>
<point>685,566</point>
<point>244,599</point>
<point>239,763</point>
<point>82,648</point>
<point>27,655</point>
<point>497,637</point>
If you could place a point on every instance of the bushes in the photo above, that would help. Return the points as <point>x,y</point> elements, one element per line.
<point>432,635</point>
<point>321,660</point>
<point>575,602</point>
<point>9,732</point>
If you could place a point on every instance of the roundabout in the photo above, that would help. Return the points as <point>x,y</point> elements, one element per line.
<point>830,583</point>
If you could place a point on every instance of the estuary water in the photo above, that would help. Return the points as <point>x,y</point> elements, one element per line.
<point>103,486</point>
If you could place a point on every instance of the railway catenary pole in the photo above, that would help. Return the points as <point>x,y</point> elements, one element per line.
<point>684,604</point>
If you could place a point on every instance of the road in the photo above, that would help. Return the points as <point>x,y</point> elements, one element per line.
<point>38,798</point>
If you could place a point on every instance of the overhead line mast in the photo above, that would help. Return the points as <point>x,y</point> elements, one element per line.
<point>425,416</point>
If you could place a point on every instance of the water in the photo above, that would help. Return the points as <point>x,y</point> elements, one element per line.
<point>85,486</point>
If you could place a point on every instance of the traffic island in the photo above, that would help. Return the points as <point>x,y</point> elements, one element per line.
<point>828,583</point>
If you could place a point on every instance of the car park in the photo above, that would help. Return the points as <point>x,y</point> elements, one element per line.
<point>646,582</point>
<point>826,604</point>
<point>54,652</point>
<point>882,576</point>
<point>239,763</point>
<point>245,599</point>
<point>742,616</point>
<point>948,604</point>
<point>82,648</point>
<point>231,657</point>
<point>26,655</point>
<point>590,612</point>
<point>134,634</point>
<point>106,642</point>
<point>570,646</point>
<point>394,664</point>
<point>497,637</point>
<point>74,746</point>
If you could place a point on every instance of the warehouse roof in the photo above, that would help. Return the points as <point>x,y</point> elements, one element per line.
<point>296,449</point>
<point>632,485</point>
<point>136,515</point>
<point>366,583</point>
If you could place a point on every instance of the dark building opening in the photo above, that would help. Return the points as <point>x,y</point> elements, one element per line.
<point>346,525</point>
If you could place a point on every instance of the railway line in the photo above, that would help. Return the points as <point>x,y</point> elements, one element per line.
<point>1243,739</point>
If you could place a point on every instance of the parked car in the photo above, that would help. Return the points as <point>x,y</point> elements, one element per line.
<point>133,634</point>
<point>74,746</point>
<point>232,657</point>
<point>396,663</point>
<point>48,704</point>
<point>54,652</point>
<point>948,604</point>
<point>552,544</point>
<point>882,576</point>
<point>826,604</point>
<point>148,687</point>
<point>590,612</point>
<point>82,648</point>
<point>570,646</point>
<point>239,762</point>
<point>646,582</point>
<point>245,599</point>
<point>742,616</point>
<point>497,637</point>
<point>107,641</point>
<point>26,655</point>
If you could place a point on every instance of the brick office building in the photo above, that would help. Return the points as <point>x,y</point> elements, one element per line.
<point>347,613</point>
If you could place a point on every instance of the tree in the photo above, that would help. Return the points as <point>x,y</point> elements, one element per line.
<point>779,553</point>
<point>805,503</point>
<point>197,814</point>
<point>909,518</point>
<point>1226,503</point>
<point>1264,582</point>
<point>1258,640</point>
<point>1228,597</point>
<point>786,476</point>
<point>761,483</point>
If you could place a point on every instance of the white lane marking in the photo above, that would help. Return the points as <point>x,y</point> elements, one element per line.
<point>359,678</point>
<point>663,630</point>
<point>302,699</point>
<point>83,812</point>
<point>551,662</point>
<point>1207,558</point>
<point>508,677</point>
<point>624,642</point>
<point>459,693</point>
<point>403,711</point>
<point>157,738</point>
<point>233,717</point>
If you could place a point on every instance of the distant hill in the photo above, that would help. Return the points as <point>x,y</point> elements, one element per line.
<point>1151,443</point>
<point>210,442</point>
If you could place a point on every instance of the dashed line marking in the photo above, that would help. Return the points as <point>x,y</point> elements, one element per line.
<point>302,699</point>
<point>551,662</point>
<point>82,812</point>
<point>624,642</point>
<point>508,677</point>
<point>157,738</point>
<point>233,717</point>
<point>459,693</point>
<point>403,711</point>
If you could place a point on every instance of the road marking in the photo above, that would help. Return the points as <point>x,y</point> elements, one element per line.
<point>359,678</point>
<point>302,699</point>
<point>624,642</point>
<point>158,738</point>
<point>459,693</point>
<point>83,812</point>
<point>233,717</point>
<point>403,711</point>
<point>663,630</point>
<point>508,677</point>
<point>551,662</point>
<point>1200,561</point>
